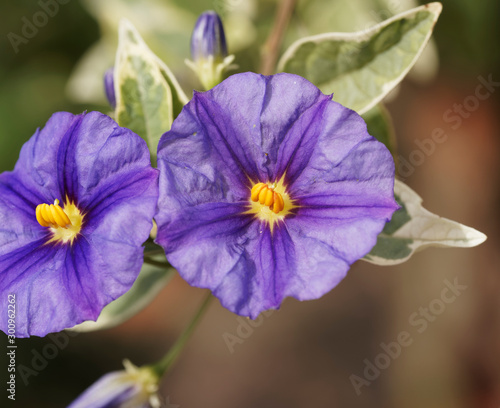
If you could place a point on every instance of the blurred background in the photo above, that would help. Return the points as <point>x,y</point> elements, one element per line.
<point>306,354</point>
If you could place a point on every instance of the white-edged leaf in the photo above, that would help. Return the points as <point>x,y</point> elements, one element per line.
<point>146,90</point>
<point>150,282</point>
<point>361,68</point>
<point>379,123</point>
<point>413,228</point>
<point>179,98</point>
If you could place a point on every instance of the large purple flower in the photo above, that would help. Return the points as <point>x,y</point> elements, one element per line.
<point>270,189</point>
<point>74,214</point>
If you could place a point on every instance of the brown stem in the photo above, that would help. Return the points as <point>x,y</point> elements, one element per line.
<point>272,46</point>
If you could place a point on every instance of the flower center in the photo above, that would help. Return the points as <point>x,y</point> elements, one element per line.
<point>270,202</point>
<point>65,224</point>
<point>266,195</point>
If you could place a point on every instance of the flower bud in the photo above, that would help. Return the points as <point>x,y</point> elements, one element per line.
<point>132,387</point>
<point>209,50</point>
<point>208,38</point>
<point>109,87</point>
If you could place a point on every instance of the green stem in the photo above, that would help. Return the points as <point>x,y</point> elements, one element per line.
<point>166,362</point>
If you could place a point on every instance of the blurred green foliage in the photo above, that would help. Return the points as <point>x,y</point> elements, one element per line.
<point>32,81</point>
<point>467,36</point>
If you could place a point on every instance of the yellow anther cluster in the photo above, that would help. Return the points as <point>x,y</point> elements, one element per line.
<point>266,195</point>
<point>52,215</point>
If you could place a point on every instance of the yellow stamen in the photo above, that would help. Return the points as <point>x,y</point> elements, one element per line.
<point>266,195</point>
<point>39,216</point>
<point>270,202</point>
<point>279,203</point>
<point>65,224</point>
<point>256,191</point>
<point>52,216</point>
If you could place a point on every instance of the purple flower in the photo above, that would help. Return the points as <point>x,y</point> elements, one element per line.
<point>130,388</point>
<point>109,87</point>
<point>326,192</point>
<point>74,213</point>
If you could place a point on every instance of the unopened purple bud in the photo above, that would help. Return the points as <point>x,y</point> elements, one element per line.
<point>109,87</point>
<point>208,39</point>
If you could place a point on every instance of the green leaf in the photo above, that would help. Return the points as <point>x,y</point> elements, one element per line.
<point>413,228</point>
<point>150,282</point>
<point>179,98</point>
<point>147,94</point>
<point>361,68</point>
<point>379,123</point>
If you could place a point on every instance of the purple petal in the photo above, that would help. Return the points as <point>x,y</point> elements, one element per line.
<point>37,167</point>
<point>111,390</point>
<point>78,156</point>
<point>191,238</point>
<point>18,226</point>
<point>274,266</point>
<point>346,165</point>
<point>54,288</point>
<point>234,131</point>
<point>212,246</point>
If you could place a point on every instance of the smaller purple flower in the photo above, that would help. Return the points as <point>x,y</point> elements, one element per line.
<point>130,388</point>
<point>209,50</point>
<point>269,189</point>
<point>74,213</point>
<point>109,87</point>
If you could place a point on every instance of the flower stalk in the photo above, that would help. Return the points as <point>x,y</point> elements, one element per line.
<point>272,46</point>
<point>137,386</point>
<point>169,359</point>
